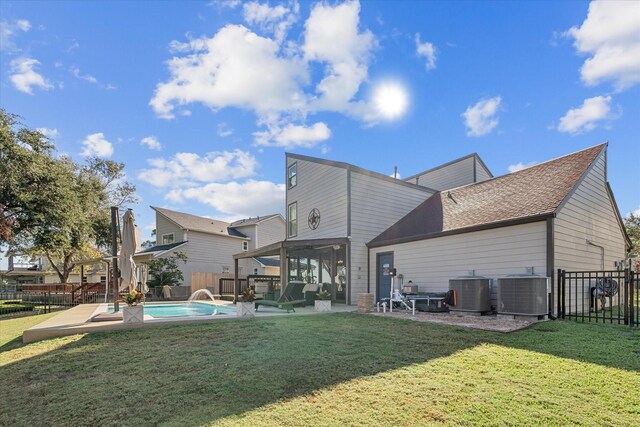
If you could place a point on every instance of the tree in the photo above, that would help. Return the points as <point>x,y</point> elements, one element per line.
<point>166,271</point>
<point>51,205</point>
<point>632,224</point>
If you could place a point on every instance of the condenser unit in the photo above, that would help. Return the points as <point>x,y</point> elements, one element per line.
<point>472,294</point>
<point>523,295</point>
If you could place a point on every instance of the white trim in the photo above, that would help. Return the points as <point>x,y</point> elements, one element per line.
<point>173,238</point>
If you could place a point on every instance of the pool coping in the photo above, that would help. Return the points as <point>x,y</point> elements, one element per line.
<point>77,320</point>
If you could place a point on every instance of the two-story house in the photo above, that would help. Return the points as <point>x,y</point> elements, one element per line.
<point>348,226</point>
<point>210,244</point>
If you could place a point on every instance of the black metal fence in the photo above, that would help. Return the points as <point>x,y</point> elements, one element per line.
<point>599,296</point>
<point>18,304</point>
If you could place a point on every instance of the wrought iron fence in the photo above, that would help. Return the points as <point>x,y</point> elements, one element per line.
<point>16,304</point>
<point>599,296</point>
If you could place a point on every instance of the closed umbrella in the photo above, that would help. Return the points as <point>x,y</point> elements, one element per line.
<point>128,248</point>
<point>144,276</point>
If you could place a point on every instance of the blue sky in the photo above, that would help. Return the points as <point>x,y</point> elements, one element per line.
<point>202,99</point>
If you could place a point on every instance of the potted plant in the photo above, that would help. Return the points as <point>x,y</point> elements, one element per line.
<point>133,312</point>
<point>323,301</point>
<point>246,307</point>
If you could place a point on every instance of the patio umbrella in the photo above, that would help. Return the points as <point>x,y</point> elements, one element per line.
<point>143,270</point>
<point>128,248</point>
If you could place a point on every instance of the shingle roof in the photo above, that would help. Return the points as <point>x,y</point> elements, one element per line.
<point>161,248</point>
<point>199,223</point>
<point>251,221</point>
<point>530,193</point>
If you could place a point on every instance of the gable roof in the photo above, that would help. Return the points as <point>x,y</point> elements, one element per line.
<point>161,248</point>
<point>199,223</point>
<point>268,262</point>
<point>251,221</point>
<point>472,155</point>
<point>531,194</point>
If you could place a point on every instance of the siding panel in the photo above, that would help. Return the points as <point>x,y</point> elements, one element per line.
<point>451,176</point>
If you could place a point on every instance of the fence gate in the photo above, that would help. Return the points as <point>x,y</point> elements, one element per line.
<point>599,296</point>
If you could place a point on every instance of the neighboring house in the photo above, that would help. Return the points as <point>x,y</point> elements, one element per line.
<point>37,270</point>
<point>344,223</point>
<point>210,244</point>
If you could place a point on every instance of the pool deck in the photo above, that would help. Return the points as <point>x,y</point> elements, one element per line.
<point>77,320</point>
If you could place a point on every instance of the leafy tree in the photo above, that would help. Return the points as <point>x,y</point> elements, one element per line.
<point>52,206</point>
<point>166,271</point>
<point>632,224</point>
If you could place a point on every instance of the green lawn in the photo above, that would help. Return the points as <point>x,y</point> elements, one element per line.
<point>339,369</point>
<point>11,329</point>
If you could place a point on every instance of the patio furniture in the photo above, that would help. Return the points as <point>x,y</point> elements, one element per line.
<point>291,295</point>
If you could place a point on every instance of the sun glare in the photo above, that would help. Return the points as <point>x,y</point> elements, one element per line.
<point>391,100</point>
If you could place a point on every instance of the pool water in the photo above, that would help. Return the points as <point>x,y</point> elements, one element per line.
<point>185,309</point>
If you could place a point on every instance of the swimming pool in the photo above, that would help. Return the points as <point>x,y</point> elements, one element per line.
<point>183,309</point>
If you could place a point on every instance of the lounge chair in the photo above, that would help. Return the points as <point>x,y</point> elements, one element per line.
<point>291,295</point>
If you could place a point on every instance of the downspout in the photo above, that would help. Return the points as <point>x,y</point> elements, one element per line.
<point>589,242</point>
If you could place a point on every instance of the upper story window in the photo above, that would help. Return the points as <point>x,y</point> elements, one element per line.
<point>245,246</point>
<point>293,175</point>
<point>168,238</point>
<point>293,219</point>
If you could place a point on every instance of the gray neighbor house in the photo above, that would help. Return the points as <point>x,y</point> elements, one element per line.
<point>347,225</point>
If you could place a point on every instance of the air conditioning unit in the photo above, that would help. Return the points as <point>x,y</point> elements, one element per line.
<point>472,294</point>
<point>523,295</point>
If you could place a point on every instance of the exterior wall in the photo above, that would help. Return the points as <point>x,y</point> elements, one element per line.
<point>451,176</point>
<point>491,253</point>
<point>271,231</point>
<point>210,253</point>
<point>588,215</point>
<point>323,187</point>
<point>164,226</point>
<point>376,204</point>
<point>251,232</point>
<point>481,173</point>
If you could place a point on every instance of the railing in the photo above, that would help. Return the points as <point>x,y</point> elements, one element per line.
<point>14,304</point>
<point>227,286</point>
<point>599,296</point>
<point>261,283</point>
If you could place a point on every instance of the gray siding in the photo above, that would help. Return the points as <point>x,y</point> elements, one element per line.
<point>481,173</point>
<point>492,253</point>
<point>588,215</point>
<point>323,187</point>
<point>164,226</point>
<point>250,231</point>
<point>210,253</point>
<point>451,176</point>
<point>376,204</point>
<point>271,231</point>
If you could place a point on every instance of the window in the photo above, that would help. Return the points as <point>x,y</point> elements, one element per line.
<point>293,175</point>
<point>225,268</point>
<point>245,246</point>
<point>167,239</point>
<point>293,219</point>
<point>255,271</point>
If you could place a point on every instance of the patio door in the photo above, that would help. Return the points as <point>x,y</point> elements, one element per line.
<point>384,264</point>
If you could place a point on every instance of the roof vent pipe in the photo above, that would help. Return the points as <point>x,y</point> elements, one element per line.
<point>395,172</point>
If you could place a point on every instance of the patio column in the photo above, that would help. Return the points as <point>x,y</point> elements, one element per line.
<point>283,267</point>
<point>236,280</point>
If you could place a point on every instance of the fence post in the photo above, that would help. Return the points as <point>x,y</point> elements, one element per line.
<point>559,294</point>
<point>564,290</point>
<point>630,297</point>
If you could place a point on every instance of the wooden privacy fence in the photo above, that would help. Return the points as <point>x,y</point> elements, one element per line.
<point>209,281</point>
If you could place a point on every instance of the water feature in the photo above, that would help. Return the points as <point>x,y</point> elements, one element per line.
<point>199,292</point>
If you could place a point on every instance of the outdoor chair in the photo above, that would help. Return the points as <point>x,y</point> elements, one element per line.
<point>291,295</point>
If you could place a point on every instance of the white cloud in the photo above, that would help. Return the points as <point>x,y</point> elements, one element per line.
<point>224,130</point>
<point>611,36</point>
<point>151,142</point>
<point>8,31</point>
<point>189,169</point>
<point>519,166</point>
<point>250,198</point>
<point>231,4</point>
<point>49,133</point>
<point>273,77</point>
<point>276,20</point>
<point>637,212</point>
<point>291,136</point>
<point>237,68</point>
<point>89,78</point>
<point>586,117</point>
<point>24,77</point>
<point>332,37</point>
<point>480,119</point>
<point>426,50</point>
<point>97,145</point>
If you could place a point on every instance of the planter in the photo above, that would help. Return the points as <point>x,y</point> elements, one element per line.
<point>322,305</point>
<point>133,314</point>
<point>365,303</point>
<point>246,309</point>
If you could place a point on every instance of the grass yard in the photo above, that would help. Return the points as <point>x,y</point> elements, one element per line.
<point>338,369</point>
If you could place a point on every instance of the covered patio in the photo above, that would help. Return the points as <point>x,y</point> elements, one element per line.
<point>321,263</point>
